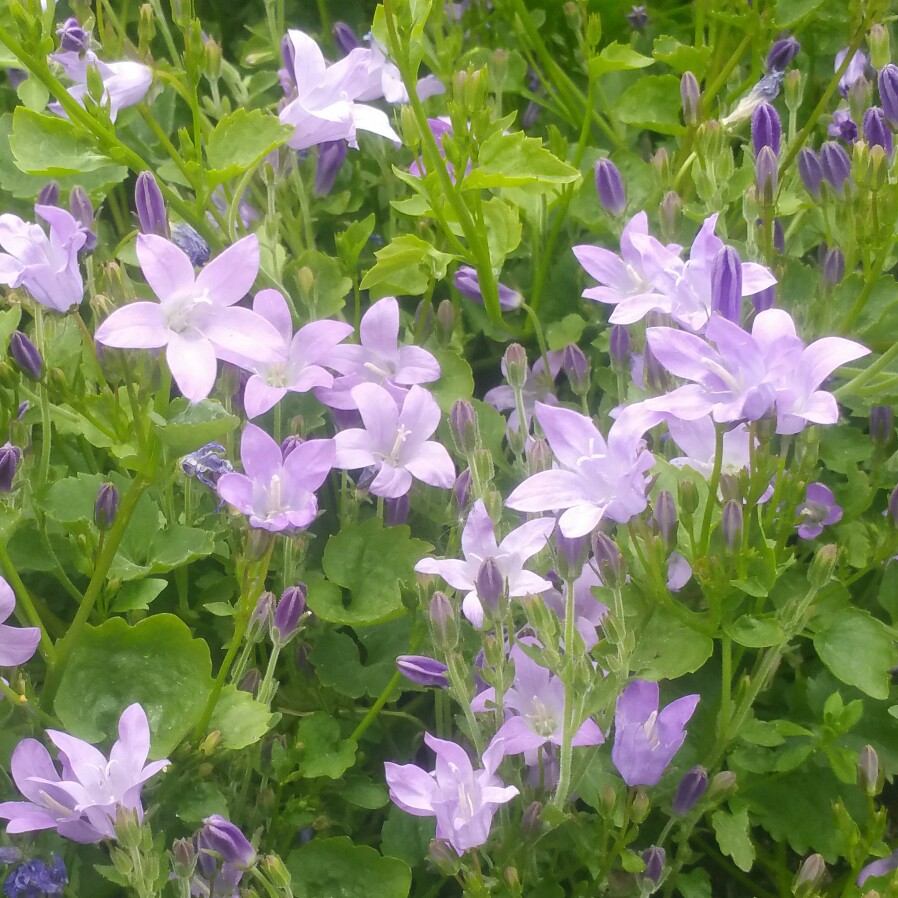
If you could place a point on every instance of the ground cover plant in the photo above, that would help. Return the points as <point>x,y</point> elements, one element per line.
<point>448,449</point>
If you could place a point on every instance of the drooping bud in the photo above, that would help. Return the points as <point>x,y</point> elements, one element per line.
<point>691,96</point>
<point>10,457</point>
<point>608,559</point>
<point>868,772</point>
<point>619,346</point>
<point>888,92</point>
<point>781,54</point>
<point>442,622</point>
<point>226,840</point>
<point>463,424</point>
<point>26,355</point>
<point>882,424</point>
<point>150,204</point>
<point>835,165</point>
<point>833,266</point>
<point>288,612</point>
<point>83,212</point>
<point>610,187</point>
<point>665,519</point>
<point>876,131</point>
<point>72,37</point>
<point>809,877</point>
<point>490,584</point>
<point>766,175</point>
<point>576,368</point>
<point>191,244</point>
<point>691,788</point>
<point>766,129</point>
<point>49,195</point>
<point>810,170</point>
<point>396,511</point>
<point>331,156</point>
<point>345,38</point>
<point>106,506</point>
<point>731,523</point>
<point>515,360</point>
<point>726,284</point>
<point>423,670</point>
<point>654,863</point>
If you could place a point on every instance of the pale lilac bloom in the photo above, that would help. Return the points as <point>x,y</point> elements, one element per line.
<point>47,267</point>
<point>462,799</point>
<point>378,359</point>
<point>297,364</point>
<point>17,644</point>
<point>82,803</point>
<point>646,739</point>
<point>385,80</point>
<point>882,867</point>
<point>819,510</point>
<point>856,70</point>
<point>595,479</point>
<point>277,493</point>
<point>394,441</point>
<point>323,108</point>
<point>698,440</point>
<point>478,542</point>
<point>679,572</point>
<point>539,386</point>
<point>468,284</point>
<point>195,319</point>
<point>124,83</point>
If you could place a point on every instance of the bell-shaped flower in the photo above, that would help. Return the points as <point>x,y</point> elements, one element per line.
<point>124,83</point>
<point>394,441</point>
<point>17,644</point>
<point>47,267</point>
<point>275,492</point>
<point>478,543</point>
<point>385,80</point>
<point>195,319</point>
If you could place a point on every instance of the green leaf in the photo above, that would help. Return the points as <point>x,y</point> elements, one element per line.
<point>653,103</point>
<point>667,648</point>
<point>156,662</point>
<point>564,332</point>
<point>858,649</point>
<point>336,867</point>
<point>137,595</point>
<point>33,94</point>
<point>681,57</point>
<point>407,265</point>
<point>789,12</point>
<point>240,719</point>
<point>51,146</point>
<point>616,58</point>
<point>9,321</point>
<point>329,285</point>
<point>734,837</point>
<point>240,140</point>
<point>513,160</point>
<point>187,426</point>
<point>160,551</point>
<point>321,749</point>
<point>201,800</point>
<point>364,793</point>
<point>456,380</point>
<point>694,884</point>
<point>755,632</point>
<point>353,240</point>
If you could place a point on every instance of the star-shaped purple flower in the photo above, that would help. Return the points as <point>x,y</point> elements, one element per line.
<point>819,510</point>
<point>124,83</point>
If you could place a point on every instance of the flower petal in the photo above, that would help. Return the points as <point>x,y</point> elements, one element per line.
<point>166,268</point>
<point>230,275</point>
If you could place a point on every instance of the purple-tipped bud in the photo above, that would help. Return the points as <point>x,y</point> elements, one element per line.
<point>655,375</point>
<point>638,18</point>
<point>490,584</point>
<point>876,131</point>
<point>835,165</point>
<point>539,456</point>
<point>610,563</point>
<point>260,620</point>
<point>833,267</point>
<point>576,368</point>
<point>572,551</point>
<point>691,96</point>
<point>423,670</point>
<point>515,362</point>
<point>26,356</point>
<point>72,37</point>
<point>888,92</point>
<point>764,299</point>
<point>10,456</point>
<point>191,244</point>
<point>766,129</point>
<point>49,195</point>
<point>345,38</point>
<point>462,488</point>
<point>610,187</point>
<point>183,855</point>
<point>892,509</point>
<point>766,175</point>
<point>463,423</point>
<point>811,171</point>
<point>288,612</point>
<point>222,837</point>
<point>445,321</point>
<point>106,506</point>
<point>726,284</point>
<point>289,443</point>
<point>690,790</point>
<point>331,156</point>
<point>882,424</point>
<point>781,54</point>
<point>82,210</point>
<point>731,523</point>
<point>619,345</point>
<point>654,858</point>
<point>671,210</point>
<point>443,627</point>
<point>396,511</point>
<point>665,518</point>
<point>151,214</point>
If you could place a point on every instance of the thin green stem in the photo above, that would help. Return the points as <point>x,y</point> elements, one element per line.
<point>26,603</point>
<point>712,491</point>
<point>46,429</point>
<point>882,362</point>
<point>566,752</point>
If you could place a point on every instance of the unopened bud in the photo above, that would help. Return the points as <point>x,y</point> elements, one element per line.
<point>726,284</point>
<point>671,210</point>
<point>687,495</point>
<point>444,857</point>
<point>491,587</point>
<point>691,96</point>
<point>654,858</point>
<point>766,129</point>
<point>396,510</point>
<point>610,187</point>
<point>539,456</point>
<point>809,876</point>
<point>423,670</point>
<point>641,805</point>
<point>810,170</point>
<point>868,772</point>
<point>26,356</point>
<point>49,195</point>
<point>10,457</point>
<point>462,488</point>
<point>878,44</point>
<point>888,92</point>
<point>722,784</point>
<point>766,175</point>
<point>331,156</point>
<point>515,362</point>
<point>781,54</point>
<point>609,561</point>
<point>691,788</point>
<point>833,267</point>
<point>150,206</point>
<point>877,132</point>
<point>882,422</point>
<point>287,614</point>
<point>835,165</point>
<point>106,506</point>
<point>665,519</point>
<point>463,424</point>
<point>823,565</point>
<point>576,368</point>
<point>345,38</point>
<point>731,523</point>
<point>443,627</point>
<point>183,858</point>
<point>445,321</point>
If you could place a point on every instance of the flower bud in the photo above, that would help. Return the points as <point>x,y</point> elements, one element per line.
<point>331,156</point>
<point>671,210</point>
<point>882,424</point>
<point>490,585</point>
<point>766,175</point>
<point>665,519</point>
<point>610,563</point>
<point>443,627</point>
<point>835,165</point>
<point>83,212</point>
<point>150,204</point>
<point>722,784</point>
<point>515,360</point>
<point>288,612</point>
<point>766,129</point>
<point>810,170</point>
<point>878,44</point>
<point>868,772</point>
<point>764,299</point>
<point>823,566</point>
<point>227,841</point>
<point>726,284</point>
<point>660,161</point>
<point>781,54</point>
<point>809,876</point>
<point>530,819</point>
<point>779,237</point>
<point>833,267</point>
<point>463,424</point>
<point>183,858</point>
<point>571,554</point>
<point>462,488</point>
<point>26,356</point>
<point>396,511</point>
<point>191,244</point>
<point>641,805</point>
<point>106,506</point>
<point>876,131</point>
<point>654,858</point>
<point>10,456</point>
<point>888,92</point>
<point>250,681</point>
<point>49,195</point>
<point>444,857</point>
<point>260,620</point>
<point>731,523</point>
<point>619,346</point>
<point>655,374</point>
<point>691,788</point>
<point>72,37</point>
<point>539,456</point>
<point>793,85</point>
<point>610,187</point>
<point>423,670</point>
<point>445,321</point>
<point>637,18</point>
<point>687,495</point>
<point>691,96</point>
<point>576,368</point>
<point>345,38</point>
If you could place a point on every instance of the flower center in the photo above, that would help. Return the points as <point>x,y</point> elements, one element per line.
<point>180,314</point>
<point>540,719</point>
<point>650,728</point>
<point>276,375</point>
<point>402,434</point>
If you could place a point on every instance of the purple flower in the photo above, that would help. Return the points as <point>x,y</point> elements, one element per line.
<point>610,187</point>
<point>10,458</point>
<point>17,644</point>
<point>395,441</point>
<point>766,129</point>
<point>331,156</point>
<point>595,479</point>
<point>888,92</point>
<point>698,441</point>
<point>841,126</point>
<point>468,284</point>
<point>207,464</point>
<point>478,543</point>
<point>835,165</point>
<point>818,510</point>
<point>277,493</point>
<point>782,53</point>
<point>288,613</point>
<point>84,802</point>
<point>378,359</point>
<point>588,609</point>
<point>856,70</point>
<point>223,853</point>
<point>539,386</point>
<point>72,37</point>
<point>646,739</point>
<point>881,867</point>
<point>423,670</point>
<point>323,109</point>
<point>462,799</point>
<point>34,879</point>
<point>296,364</point>
<point>124,83</point>
<point>384,79</point>
<point>195,318</point>
<point>877,132</point>
<point>47,267</point>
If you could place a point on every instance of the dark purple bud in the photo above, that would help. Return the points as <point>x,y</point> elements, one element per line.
<point>423,670</point>
<point>331,156</point>
<point>515,363</point>
<point>690,790</point>
<point>731,523</point>
<point>10,456</point>
<point>764,299</point>
<point>781,54</point>
<point>576,368</point>
<point>608,560</point>
<point>72,37</point>
<point>726,284</point>
<point>462,488</point>
<point>766,175</point>
<point>691,96</point>
<point>396,511</point>
<point>288,612</point>
<point>835,165</point>
<point>191,244</point>
<point>811,171</point>
<point>26,356</point>
<point>888,92</point>
<point>443,627</point>
<point>345,38</point>
<point>882,424</point>
<point>151,214</point>
<point>876,131</point>
<point>463,423</point>
<point>610,187</point>
<point>779,237</point>
<point>766,129</point>
<point>638,18</point>
<point>83,212</point>
<point>665,518</point>
<point>892,507</point>
<point>49,195</point>
<point>833,267</point>
<point>226,840</point>
<point>654,863</point>
<point>106,506</point>
<point>571,554</point>
<point>619,345</point>
<point>490,585</point>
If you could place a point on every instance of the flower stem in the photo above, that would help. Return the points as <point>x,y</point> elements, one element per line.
<point>566,752</point>
<point>712,490</point>
<point>46,429</point>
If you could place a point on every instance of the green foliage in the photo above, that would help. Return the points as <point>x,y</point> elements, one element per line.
<point>240,140</point>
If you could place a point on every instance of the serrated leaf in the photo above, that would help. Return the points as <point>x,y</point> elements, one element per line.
<point>51,146</point>
<point>321,749</point>
<point>616,58</point>
<point>240,140</point>
<point>652,102</point>
<point>514,160</point>
<point>734,837</point>
<point>240,719</point>
<point>667,648</point>
<point>407,265</point>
